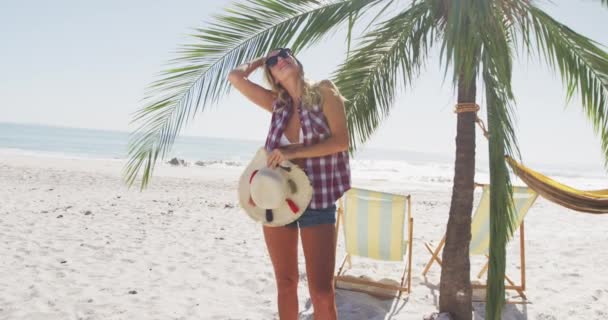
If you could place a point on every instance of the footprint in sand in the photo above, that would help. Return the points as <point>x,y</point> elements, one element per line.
<point>542,316</point>
<point>597,295</point>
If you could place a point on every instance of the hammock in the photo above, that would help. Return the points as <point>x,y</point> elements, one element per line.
<point>594,201</point>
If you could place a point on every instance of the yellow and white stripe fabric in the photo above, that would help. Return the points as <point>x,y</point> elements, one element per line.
<point>374,224</point>
<point>523,199</point>
<point>589,201</point>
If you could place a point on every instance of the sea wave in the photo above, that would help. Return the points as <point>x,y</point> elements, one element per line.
<point>219,163</point>
<point>390,171</point>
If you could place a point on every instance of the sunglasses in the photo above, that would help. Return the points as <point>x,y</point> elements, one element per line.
<point>283,53</point>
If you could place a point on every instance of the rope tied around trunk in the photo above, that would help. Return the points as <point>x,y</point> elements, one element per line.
<point>472,107</point>
<point>466,107</point>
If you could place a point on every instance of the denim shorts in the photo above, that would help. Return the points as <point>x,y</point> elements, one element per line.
<point>313,217</point>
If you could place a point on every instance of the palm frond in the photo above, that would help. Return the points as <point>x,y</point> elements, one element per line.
<point>197,77</point>
<point>461,41</point>
<point>397,47</point>
<point>498,41</point>
<point>496,74</point>
<point>496,30</point>
<point>583,66</point>
<point>388,3</point>
<point>501,205</point>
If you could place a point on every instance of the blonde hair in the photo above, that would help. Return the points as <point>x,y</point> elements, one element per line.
<point>311,92</point>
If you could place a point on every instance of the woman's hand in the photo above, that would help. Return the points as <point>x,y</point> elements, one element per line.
<point>239,78</point>
<point>277,156</point>
<point>248,67</point>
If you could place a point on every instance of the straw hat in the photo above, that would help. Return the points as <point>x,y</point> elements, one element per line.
<point>274,197</point>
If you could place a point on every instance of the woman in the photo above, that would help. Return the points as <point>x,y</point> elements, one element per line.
<point>308,127</point>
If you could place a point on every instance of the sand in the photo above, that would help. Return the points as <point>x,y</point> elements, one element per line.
<point>76,243</point>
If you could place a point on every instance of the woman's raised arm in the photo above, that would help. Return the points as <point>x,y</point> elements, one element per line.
<point>254,92</point>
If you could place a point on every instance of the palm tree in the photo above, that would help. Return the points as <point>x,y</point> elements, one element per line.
<point>477,40</point>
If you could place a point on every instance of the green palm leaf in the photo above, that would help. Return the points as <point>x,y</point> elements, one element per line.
<point>395,49</point>
<point>496,74</point>
<point>498,38</point>
<point>198,76</point>
<point>582,64</point>
<point>461,40</point>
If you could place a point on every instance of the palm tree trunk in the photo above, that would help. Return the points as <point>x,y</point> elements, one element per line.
<point>455,288</point>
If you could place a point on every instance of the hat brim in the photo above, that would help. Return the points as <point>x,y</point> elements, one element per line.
<point>283,215</point>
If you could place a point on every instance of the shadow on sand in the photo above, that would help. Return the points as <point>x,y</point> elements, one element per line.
<point>357,305</point>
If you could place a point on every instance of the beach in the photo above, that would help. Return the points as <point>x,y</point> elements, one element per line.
<point>78,244</point>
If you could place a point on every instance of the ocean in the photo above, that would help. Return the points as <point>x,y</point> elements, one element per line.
<point>106,144</point>
<point>380,164</point>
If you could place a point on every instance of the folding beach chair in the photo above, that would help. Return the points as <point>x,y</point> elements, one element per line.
<point>374,227</point>
<point>523,198</point>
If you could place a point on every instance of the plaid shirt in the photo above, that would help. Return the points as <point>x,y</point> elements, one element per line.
<point>330,174</point>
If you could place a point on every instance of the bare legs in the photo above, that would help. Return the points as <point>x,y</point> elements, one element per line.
<point>282,244</point>
<point>319,252</point>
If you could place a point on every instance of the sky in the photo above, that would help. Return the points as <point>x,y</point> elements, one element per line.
<point>86,64</point>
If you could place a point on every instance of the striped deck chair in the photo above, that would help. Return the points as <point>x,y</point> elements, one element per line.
<point>374,227</point>
<point>523,198</point>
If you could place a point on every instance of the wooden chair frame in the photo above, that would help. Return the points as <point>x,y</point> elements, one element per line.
<point>406,277</point>
<point>510,284</point>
